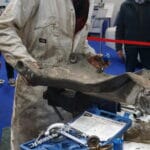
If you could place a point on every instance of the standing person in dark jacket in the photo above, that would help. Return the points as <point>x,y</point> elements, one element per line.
<point>133,23</point>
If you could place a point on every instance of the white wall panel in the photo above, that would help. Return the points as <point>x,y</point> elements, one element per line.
<point>117,4</point>
<point>4,2</point>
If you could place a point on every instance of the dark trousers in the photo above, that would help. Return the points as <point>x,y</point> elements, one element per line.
<point>132,55</point>
<point>10,71</point>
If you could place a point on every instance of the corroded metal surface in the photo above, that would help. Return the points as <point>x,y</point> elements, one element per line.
<point>128,88</point>
<point>140,132</point>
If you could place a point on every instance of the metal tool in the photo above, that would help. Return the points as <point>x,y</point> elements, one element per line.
<point>50,134</point>
<point>79,141</point>
<point>133,110</point>
<point>73,58</point>
<point>39,140</point>
<point>93,143</point>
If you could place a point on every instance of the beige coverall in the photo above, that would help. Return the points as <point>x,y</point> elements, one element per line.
<point>38,30</point>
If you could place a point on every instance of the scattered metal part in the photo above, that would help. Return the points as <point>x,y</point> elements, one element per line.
<point>100,70</point>
<point>139,132</point>
<point>143,101</point>
<point>50,134</point>
<point>107,147</point>
<point>82,142</point>
<point>129,107</point>
<point>93,143</point>
<point>39,137</point>
<point>52,127</point>
<point>73,58</point>
<point>136,112</point>
<point>43,140</point>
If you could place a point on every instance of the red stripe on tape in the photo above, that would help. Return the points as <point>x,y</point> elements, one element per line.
<point>119,41</point>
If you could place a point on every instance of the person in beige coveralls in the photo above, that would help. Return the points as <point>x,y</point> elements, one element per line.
<point>40,30</point>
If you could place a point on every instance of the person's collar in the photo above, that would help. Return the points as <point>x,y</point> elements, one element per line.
<point>140,1</point>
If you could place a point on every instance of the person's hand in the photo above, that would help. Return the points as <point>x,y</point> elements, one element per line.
<point>28,78</point>
<point>121,54</point>
<point>95,60</point>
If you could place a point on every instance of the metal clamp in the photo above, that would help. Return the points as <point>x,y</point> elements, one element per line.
<point>73,58</point>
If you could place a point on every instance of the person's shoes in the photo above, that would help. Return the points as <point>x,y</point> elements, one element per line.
<point>11,82</point>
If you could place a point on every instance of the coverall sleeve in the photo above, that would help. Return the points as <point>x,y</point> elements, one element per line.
<point>88,48</point>
<point>120,29</point>
<point>12,22</point>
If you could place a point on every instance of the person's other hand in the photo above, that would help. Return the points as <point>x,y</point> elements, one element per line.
<point>121,54</point>
<point>95,60</point>
<point>28,78</point>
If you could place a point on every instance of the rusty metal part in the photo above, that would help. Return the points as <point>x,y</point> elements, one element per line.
<point>139,132</point>
<point>83,77</point>
<point>94,144</point>
<point>107,147</point>
<point>73,58</point>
